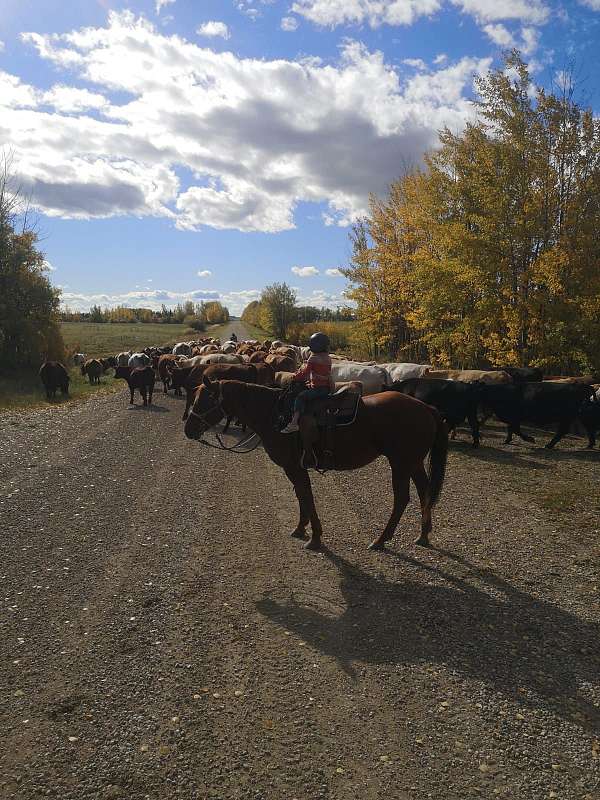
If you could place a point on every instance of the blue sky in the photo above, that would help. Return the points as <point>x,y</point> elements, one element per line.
<point>180,149</point>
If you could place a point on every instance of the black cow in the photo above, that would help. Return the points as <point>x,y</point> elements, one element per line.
<point>54,376</point>
<point>456,401</point>
<point>539,403</point>
<point>140,378</point>
<point>524,374</point>
<point>590,419</point>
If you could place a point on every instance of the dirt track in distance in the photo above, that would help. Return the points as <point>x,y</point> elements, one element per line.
<point>164,638</point>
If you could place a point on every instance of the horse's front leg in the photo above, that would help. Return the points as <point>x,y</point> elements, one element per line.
<point>401,486</point>
<point>308,513</point>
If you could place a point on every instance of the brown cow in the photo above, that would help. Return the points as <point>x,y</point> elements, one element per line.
<point>54,376</point>
<point>249,373</point>
<point>140,378</point>
<point>281,363</point>
<point>93,368</point>
<point>257,356</point>
<point>164,362</point>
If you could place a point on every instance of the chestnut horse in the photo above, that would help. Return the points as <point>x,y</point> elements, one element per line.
<point>391,424</point>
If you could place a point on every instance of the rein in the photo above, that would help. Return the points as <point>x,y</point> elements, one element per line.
<point>221,444</point>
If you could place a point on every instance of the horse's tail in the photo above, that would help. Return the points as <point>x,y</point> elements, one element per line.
<point>438,456</point>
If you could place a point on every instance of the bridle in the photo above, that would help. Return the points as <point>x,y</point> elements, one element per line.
<point>218,406</point>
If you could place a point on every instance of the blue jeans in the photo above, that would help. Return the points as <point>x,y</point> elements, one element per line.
<point>304,397</point>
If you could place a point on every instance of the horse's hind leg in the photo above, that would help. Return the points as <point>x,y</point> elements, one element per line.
<point>421,480</point>
<point>401,485</point>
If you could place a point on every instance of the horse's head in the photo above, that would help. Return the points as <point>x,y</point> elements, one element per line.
<point>207,409</point>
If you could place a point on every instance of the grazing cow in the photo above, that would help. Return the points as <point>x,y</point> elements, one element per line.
<point>182,349</point>
<point>249,373</point>
<point>470,375</point>
<point>108,363</point>
<point>281,363</point>
<point>79,359</point>
<point>402,372</point>
<point>54,376</point>
<point>140,378</point>
<point>93,368</point>
<point>524,374</point>
<point>455,400</point>
<point>139,360</point>
<point>123,359</point>
<point>373,378</point>
<point>541,403</point>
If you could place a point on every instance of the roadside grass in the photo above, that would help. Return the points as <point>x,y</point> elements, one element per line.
<point>25,391</point>
<point>98,339</point>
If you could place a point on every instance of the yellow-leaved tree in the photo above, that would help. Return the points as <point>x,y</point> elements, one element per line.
<point>489,254</point>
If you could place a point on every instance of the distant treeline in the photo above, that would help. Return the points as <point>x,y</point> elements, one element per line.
<point>277,312</point>
<point>196,315</point>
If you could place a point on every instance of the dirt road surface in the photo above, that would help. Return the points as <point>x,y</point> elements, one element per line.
<point>163,637</point>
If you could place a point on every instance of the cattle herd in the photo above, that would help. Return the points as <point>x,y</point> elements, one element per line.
<point>515,396</point>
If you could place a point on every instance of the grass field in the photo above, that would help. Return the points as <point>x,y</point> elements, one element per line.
<point>25,390</point>
<point>106,339</point>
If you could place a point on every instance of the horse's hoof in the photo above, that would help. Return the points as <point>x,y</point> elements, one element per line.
<point>298,534</point>
<point>313,544</point>
<point>377,546</point>
<point>422,542</point>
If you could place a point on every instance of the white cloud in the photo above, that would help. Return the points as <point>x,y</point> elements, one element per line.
<point>160,3</point>
<point>289,24</point>
<point>155,298</point>
<point>329,13</point>
<point>440,59</point>
<point>1,45</point>
<point>305,272</point>
<point>593,4</point>
<point>257,136</point>
<point>69,99</point>
<point>499,35</point>
<point>334,273</point>
<point>204,273</point>
<point>532,11</point>
<point>48,266</point>
<point>416,63</point>
<point>214,28</point>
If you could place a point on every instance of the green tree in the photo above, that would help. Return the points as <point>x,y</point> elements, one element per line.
<point>278,308</point>
<point>29,304</point>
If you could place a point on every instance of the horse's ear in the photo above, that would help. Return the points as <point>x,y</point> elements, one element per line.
<point>206,381</point>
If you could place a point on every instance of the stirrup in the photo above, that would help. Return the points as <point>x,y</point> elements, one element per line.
<point>290,428</point>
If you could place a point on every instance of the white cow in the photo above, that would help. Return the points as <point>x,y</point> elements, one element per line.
<point>221,358</point>
<point>402,372</point>
<point>123,358</point>
<point>229,347</point>
<point>182,349</point>
<point>373,378</point>
<point>139,360</point>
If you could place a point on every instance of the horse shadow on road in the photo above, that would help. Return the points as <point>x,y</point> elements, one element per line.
<point>468,619</point>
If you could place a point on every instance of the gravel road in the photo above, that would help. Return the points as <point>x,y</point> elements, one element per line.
<point>162,637</point>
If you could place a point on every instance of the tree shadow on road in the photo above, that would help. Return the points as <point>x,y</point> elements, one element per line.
<point>468,619</point>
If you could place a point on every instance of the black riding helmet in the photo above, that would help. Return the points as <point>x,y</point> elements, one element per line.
<point>319,342</point>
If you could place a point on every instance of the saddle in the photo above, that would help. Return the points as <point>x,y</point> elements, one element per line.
<point>318,424</point>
